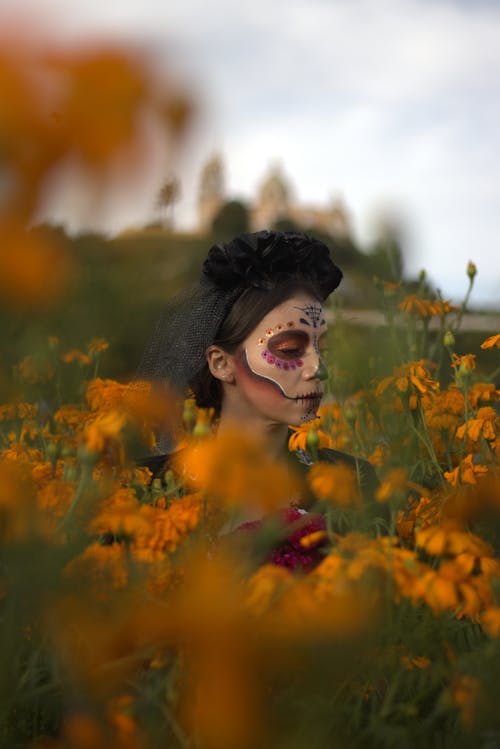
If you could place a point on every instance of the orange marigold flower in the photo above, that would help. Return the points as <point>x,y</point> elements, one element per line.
<point>103,566</point>
<point>266,586</point>
<point>393,483</point>
<point>34,370</point>
<point>443,540</point>
<point>75,355</point>
<point>439,593</point>
<point>465,691</point>
<point>313,539</point>
<point>377,457</point>
<point>335,483</point>
<point>467,361</point>
<point>56,496</point>
<point>34,269</point>
<point>490,620</point>
<point>71,415</point>
<point>482,391</point>
<point>414,375</point>
<point>105,429</point>
<point>443,409</point>
<point>416,305</point>
<point>467,472</point>
<point>97,345</point>
<point>481,426</point>
<point>235,468</point>
<point>491,342</point>
<point>414,661</point>
<point>298,438</point>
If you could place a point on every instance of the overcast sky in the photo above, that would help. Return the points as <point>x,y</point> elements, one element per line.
<point>392,104</point>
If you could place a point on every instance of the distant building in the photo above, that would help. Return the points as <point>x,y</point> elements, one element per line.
<point>211,192</point>
<point>274,202</point>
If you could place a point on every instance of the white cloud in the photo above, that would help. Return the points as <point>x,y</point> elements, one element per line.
<point>385,101</point>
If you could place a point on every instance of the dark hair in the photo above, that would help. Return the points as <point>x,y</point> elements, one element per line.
<point>243,317</point>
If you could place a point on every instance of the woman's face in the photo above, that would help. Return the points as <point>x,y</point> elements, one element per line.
<point>279,369</point>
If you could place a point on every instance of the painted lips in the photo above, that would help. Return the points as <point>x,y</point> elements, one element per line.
<point>309,397</point>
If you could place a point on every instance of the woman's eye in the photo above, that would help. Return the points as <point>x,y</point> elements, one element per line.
<point>289,346</point>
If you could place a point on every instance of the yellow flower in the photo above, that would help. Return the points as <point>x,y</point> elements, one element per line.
<point>426,307</point>
<point>414,661</point>
<point>335,483</point>
<point>467,361</point>
<point>235,468</point>
<point>465,691</point>
<point>481,426</point>
<point>75,355</point>
<point>446,540</point>
<point>71,415</point>
<point>414,375</point>
<point>103,431</point>
<point>492,341</point>
<point>482,391</point>
<point>467,472</point>
<point>266,586</point>
<point>35,370</point>
<point>104,567</point>
<point>97,345</point>
<point>394,483</point>
<point>298,438</point>
<point>56,496</point>
<point>490,620</point>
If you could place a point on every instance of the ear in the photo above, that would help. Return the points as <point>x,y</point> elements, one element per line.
<point>220,364</point>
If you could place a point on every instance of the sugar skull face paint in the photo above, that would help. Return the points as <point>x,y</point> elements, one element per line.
<point>280,367</point>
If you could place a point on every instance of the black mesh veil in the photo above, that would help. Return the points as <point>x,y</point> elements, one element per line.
<point>187,326</point>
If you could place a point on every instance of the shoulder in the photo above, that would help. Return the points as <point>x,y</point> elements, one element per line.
<point>365,469</point>
<point>157,464</point>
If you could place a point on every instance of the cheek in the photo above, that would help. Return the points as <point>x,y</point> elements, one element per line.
<point>269,370</point>
<point>256,384</point>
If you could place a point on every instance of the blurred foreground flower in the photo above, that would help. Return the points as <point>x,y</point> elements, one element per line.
<point>235,469</point>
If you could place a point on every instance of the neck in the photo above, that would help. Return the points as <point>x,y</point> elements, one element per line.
<point>271,435</point>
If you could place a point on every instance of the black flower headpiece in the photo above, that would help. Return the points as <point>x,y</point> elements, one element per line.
<point>266,259</point>
<point>189,324</point>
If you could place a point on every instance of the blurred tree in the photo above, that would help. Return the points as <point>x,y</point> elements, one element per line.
<point>231,219</point>
<point>386,258</point>
<point>287,224</point>
<point>168,196</point>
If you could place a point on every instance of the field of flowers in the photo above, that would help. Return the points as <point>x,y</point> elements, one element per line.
<point>130,616</point>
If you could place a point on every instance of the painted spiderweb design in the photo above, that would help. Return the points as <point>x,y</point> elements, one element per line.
<point>313,312</point>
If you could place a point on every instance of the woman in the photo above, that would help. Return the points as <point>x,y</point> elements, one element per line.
<point>248,340</point>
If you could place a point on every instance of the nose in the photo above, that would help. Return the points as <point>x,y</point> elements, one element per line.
<point>316,369</point>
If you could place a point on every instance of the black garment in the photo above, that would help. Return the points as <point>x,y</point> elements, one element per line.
<point>159,465</point>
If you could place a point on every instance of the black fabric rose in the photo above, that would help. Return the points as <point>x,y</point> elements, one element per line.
<point>265,259</point>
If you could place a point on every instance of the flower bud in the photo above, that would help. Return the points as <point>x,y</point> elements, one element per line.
<point>464,372</point>
<point>189,414</point>
<point>449,339</point>
<point>86,456</point>
<point>52,451</point>
<point>312,438</point>
<point>350,414</point>
<point>203,423</point>
<point>471,270</point>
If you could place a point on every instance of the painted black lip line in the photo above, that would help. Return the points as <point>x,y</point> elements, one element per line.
<point>307,397</point>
